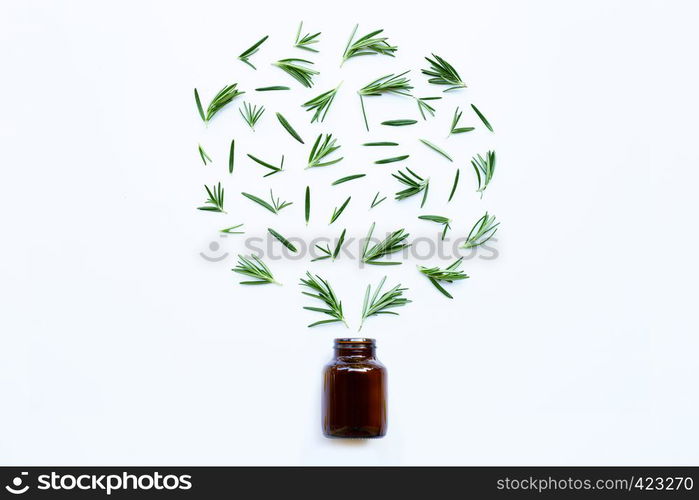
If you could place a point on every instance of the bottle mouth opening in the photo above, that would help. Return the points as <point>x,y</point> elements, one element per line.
<point>355,343</point>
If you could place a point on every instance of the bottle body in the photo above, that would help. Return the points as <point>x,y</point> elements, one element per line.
<point>354,391</point>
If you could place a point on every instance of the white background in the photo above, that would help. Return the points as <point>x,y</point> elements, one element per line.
<point>120,344</point>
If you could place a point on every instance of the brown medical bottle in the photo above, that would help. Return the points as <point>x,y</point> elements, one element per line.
<point>354,391</point>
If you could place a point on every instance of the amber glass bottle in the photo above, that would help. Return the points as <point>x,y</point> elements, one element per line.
<point>354,391</point>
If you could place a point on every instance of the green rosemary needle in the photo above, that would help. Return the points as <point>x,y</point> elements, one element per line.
<point>287,126</point>
<point>399,123</point>
<point>300,73</point>
<point>331,254</point>
<point>348,178</point>
<point>379,304</point>
<point>483,118</point>
<point>391,160</point>
<point>388,84</point>
<point>393,243</point>
<point>304,42</point>
<point>321,104</point>
<point>439,219</point>
<point>436,149</point>
<point>245,56</point>
<point>338,210</point>
<point>321,150</point>
<point>455,129</point>
<point>485,168</point>
<point>215,201</point>
<point>448,275</point>
<point>282,240</point>
<point>484,229</point>
<point>273,87</point>
<point>443,73</point>
<point>253,267</point>
<point>251,114</point>
<point>423,106</point>
<point>376,200</point>
<point>307,207</point>
<point>369,44</point>
<point>232,230</point>
<point>453,187</point>
<point>274,169</point>
<point>223,97</point>
<point>231,157</point>
<point>380,144</point>
<point>322,291</point>
<point>204,157</point>
<point>415,183</point>
<point>274,207</point>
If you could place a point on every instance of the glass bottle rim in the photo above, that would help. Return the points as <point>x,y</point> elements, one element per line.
<point>355,343</point>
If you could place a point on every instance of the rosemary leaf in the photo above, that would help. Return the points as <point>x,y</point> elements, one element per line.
<point>231,157</point>
<point>388,84</point>
<point>245,56</point>
<point>485,168</point>
<point>453,187</point>
<point>375,202</point>
<point>232,230</point>
<point>321,290</point>
<point>380,144</point>
<point>399,123</point>
<point>391,160</point>
<point>223,97</point>
<point>369,44</point>
<point>215,201</point>
<point>455,129</point>
<point>273,87</point>
<point>282,240</point>
<point>289,128</point>
<point>423,106</point>
<point>348,178</point>
<point>274,169</point>
<point>483,118</point>
<point>300,73</point>
<point>484,229</point>
<point>338,246</point>
<point>379,304</point>
<point>448,275</point>
<point>275,207</point>
<point>443,73</point>
<point>253,267</point>
<point>321,104</point>
<point>321,150</point>
<point>338,210</point>
<point>308,204</point>
<point>439,219</point>
<point>204,157</point>
<point>436,149</point>
<point>251,114</point>
<point>304,42</point>
<point>393,243</point>
<point>415,183</point>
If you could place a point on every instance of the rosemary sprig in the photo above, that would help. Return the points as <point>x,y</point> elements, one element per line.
<point>348,178</point>
<point>423,106</point>
<point>274,169</point>
<point>273,87</point>
<point>321,150</point>
<point>337,211</point>
<point>483,118</point>
<point>204,157</point>
<point>223,97</point>
<point>456,183</point>
<point>321,104</point>
<point>323,291</point>
<point>215,201</point>
<point>436,149</point>
<point>245,56</point>
<point>443,73</point>
<point>439,219</point>
<point>485,168</point>
<point>251,114</point>
<point>391,160</point>
<point>449,275</point>
<point>415,183</point>
<point>455,129</point>
<point>374,202</point>
<point>484,229</point>
<point>328,254</point>
<point>275,207</point>
<point>231,157</point>
<point>304,42</point>
<point>369,44</point>
<point>399,123</point>
<point>380,144</point>
<point>232,230</point>
<point>307,207</point>
<point>388,84</point>
<point>287,126</point>
<point>379,304</point>
<point>300,73</point>
<point>253,267</point>
<point>282,240</point>
<point>393,243</point>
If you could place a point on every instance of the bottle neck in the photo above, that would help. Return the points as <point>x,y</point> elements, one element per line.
<point>355,348</point>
